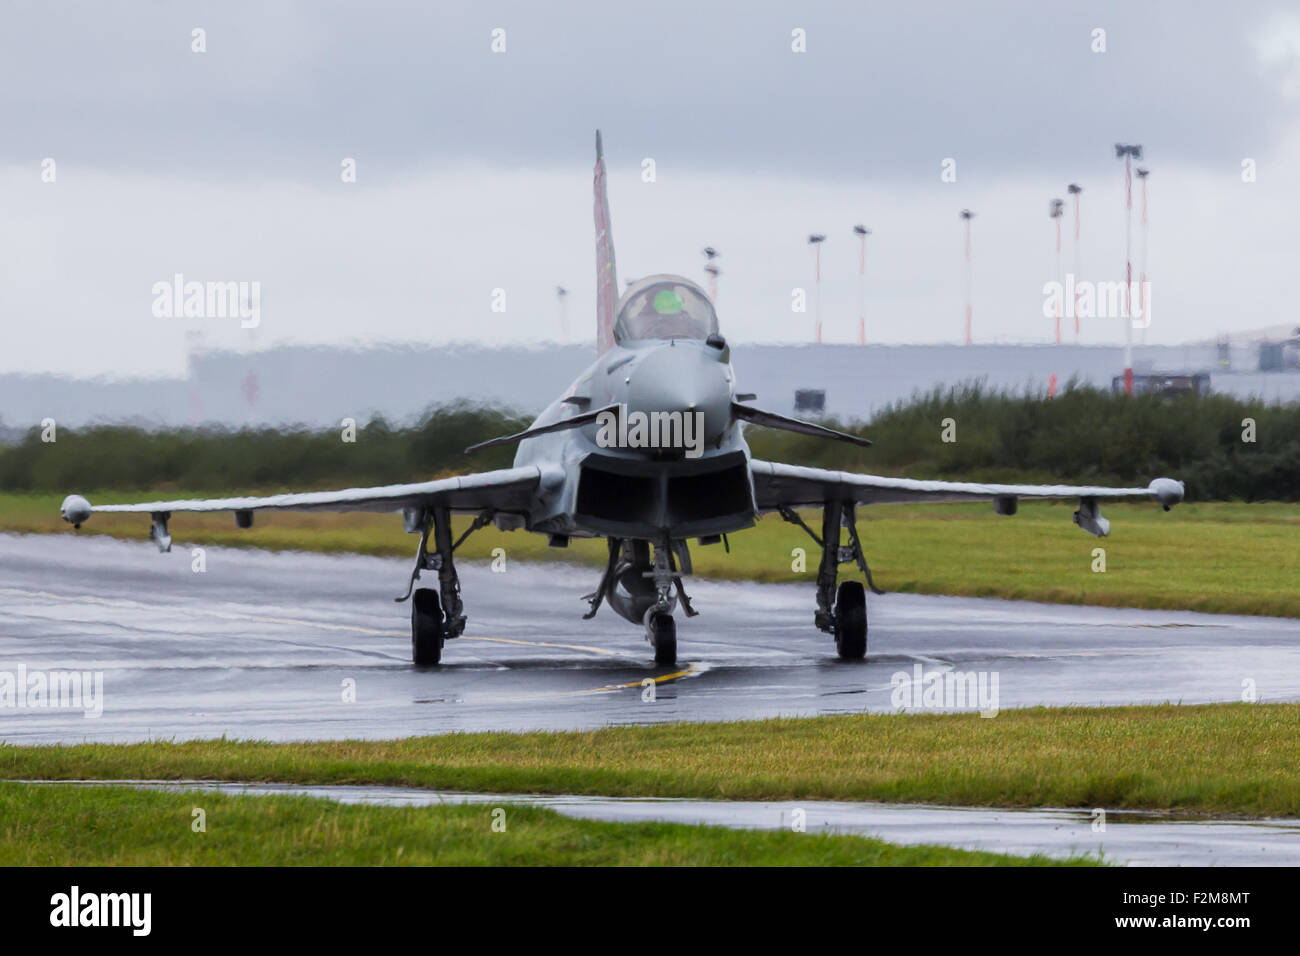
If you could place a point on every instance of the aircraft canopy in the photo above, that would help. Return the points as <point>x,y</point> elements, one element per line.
<point>665,307</point>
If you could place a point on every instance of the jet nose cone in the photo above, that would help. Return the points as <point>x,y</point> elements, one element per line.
<point>688,379</point>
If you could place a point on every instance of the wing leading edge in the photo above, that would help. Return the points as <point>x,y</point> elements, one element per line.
<point>778,485</point>
<point>507,490</point>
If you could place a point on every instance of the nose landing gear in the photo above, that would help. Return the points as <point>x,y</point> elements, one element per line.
<point>660,628</point>
<point>661,632</point>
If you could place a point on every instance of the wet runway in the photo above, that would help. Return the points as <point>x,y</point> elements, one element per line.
<point>1141,839</point>
<point>267,646</point>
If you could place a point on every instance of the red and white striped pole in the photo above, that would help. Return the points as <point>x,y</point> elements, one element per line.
<point>1142,275</point>
<point>1075,190</point>
<point>862,232</point>
<point>967,216</point>
<point>816,241</point>
<point>1129,153</point>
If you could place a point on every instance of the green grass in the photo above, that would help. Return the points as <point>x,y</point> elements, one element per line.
<point>123,826</point>
<point>1241,759</point>
<point>1222,557</point>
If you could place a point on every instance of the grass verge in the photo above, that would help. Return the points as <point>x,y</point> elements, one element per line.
<point>1219,557</point>
<point>122,826</point>
<point>1225,759</point>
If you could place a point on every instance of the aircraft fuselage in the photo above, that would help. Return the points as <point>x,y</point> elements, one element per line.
<point>623,482</point>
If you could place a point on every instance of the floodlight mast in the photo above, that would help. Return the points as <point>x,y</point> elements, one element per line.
<point>1142,272</point>
<point>862,232</point>
<point>816,240</point>
<point>1055,211</point>
<point>712,270</point>
<point>1128,153</point>
<point>1076,190</point>
<point>966,217</point>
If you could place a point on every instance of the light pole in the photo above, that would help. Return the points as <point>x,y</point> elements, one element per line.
<point>562,297</point>
<point>1128,152</point>
<point>1076,190</point>
<point>816,240</point>
<point>1055,211</point>
<point>862,232</point>
<point>967,216</point>
<point>713,271</point>
<point>1142,273</point>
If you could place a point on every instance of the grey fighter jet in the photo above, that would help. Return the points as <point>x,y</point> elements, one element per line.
<point>645,449</point>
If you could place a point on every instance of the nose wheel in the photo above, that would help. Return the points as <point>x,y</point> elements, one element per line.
<point>661,631</point>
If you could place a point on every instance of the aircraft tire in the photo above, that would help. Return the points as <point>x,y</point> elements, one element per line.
<point>663,632</point>
<point>427,628</point>
<point>851,621</point>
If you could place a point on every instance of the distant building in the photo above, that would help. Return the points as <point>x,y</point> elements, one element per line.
<point>810,400</point>
<point>1161,383</point>
<point>1279,356</point>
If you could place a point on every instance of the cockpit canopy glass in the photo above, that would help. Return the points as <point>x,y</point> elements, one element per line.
<point>669,309</point>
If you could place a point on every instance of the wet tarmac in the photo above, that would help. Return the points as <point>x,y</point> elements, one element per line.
<point>274,646</point>
<point>1140,839</point>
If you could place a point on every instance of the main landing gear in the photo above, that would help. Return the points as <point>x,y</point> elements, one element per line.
<point>842,611</point>
<point>436,615</point>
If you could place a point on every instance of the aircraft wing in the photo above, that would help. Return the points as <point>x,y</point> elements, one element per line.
<point>509,490</point>
<point>778,486</point>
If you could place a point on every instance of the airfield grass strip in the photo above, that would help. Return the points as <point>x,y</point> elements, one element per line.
<point>1223,759</point>
<point>1216,557</point>
<point>124,826</point>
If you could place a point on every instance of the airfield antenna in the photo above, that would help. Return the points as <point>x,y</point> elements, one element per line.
<point>562,297</point>
<point>1076,190</point>
<point>1128,152</point>
<point>862,232</point>
<point>967,216</point>
<point>711,268</point>
<point>816,240</point>
<point>1055,211</point>
<point>1142,273</point>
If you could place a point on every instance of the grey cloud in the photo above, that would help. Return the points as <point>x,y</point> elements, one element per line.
<point>883,91</point>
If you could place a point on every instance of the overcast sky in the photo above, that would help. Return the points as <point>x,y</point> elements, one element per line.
<point>473,167</point>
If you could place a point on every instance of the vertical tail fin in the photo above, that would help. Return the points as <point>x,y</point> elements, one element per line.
<point>606,274</point>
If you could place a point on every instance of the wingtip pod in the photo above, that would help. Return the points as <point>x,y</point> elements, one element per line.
<point>1167,491</point>
<point>75,509</point>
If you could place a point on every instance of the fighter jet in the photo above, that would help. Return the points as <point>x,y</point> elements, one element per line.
<point>645,449</point>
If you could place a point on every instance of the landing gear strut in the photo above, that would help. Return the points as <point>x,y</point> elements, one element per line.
<point>642,582</point>
<point>841,611</point>
<point>437,615</point>
<point>660,628</point>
